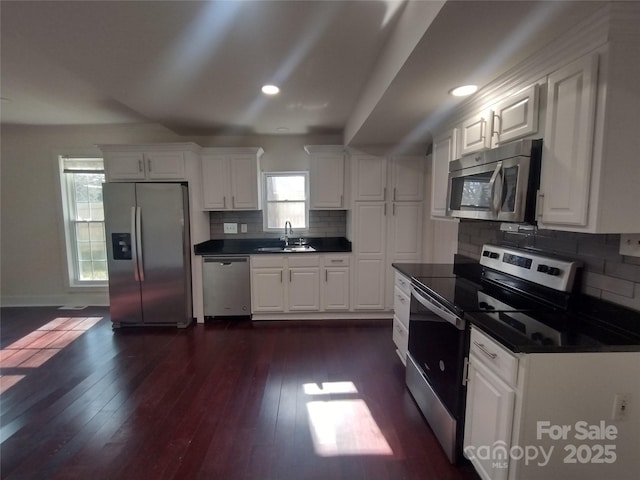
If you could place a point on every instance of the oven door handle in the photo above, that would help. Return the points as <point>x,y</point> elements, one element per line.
<point>435,307</point>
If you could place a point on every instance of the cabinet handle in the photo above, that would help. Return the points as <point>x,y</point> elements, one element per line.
<point>336,260</point>
<point>385,209</point>
<point>493,129</point>
<point>149,164</point>
<point>290,276</point>
<point>280,276</point>
<point>394,194</point>
<point>393,210</point>
<point>233,201</point>
<point>342,200</point>
<point>384,194</point>
<point>326,275</point>
<point>484,350</point>
<point>140,165</point>
<point>224,202</point>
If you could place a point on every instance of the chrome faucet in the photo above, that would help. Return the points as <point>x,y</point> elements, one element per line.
<point>287,233</point>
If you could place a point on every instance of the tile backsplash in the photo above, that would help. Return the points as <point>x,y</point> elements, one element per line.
<point>322,223</point>
<point>607,274</point>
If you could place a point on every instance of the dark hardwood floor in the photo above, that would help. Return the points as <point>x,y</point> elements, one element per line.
<point>225,400</point>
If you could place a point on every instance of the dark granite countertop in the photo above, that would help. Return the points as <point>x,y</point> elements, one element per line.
<point>250,246</point>
<point>590,324</point>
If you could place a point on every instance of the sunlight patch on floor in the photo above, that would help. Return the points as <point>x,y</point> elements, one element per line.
<point>345,425</point>
<point>35,348</point>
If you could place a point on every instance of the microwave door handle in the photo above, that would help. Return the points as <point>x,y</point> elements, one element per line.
<point>496,192</point>
<point>437,309</point>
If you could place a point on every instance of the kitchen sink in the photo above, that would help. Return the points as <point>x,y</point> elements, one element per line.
<point>288,249</point>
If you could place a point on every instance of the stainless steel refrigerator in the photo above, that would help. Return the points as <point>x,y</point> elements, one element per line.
<point>149,253</point>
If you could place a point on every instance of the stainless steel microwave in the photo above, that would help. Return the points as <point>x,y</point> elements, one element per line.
<point>499,184</point>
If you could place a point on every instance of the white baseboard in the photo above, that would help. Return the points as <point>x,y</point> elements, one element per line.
<point>94,299</point>
<point>367,315</point>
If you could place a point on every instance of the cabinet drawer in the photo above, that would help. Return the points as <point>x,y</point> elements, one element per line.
<point>337,260</point>
<point>401,306</point>
<point>267,261</point>
<point>403,283</point>
<point>501,362</point>
<point>400,336</point>
<point>303,260</point>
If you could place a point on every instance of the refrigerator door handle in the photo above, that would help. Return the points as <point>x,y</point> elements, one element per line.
<point>140,261</point>
<point>134,244</point>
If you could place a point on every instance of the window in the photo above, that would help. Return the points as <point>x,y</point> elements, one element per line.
<point>286,199</point>
<point>81,182</point>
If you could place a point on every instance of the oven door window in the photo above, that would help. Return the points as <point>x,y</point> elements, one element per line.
<point>438,349</point>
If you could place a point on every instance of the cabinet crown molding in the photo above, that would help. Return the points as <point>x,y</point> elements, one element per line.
<point>319,149</point>
<point>258,151</point>
<point>147,147</point>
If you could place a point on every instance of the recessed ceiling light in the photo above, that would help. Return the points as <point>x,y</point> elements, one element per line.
<point>464,90</point>
<point>270,89</point>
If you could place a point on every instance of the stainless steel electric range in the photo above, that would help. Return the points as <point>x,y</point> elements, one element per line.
<point>527,301</point>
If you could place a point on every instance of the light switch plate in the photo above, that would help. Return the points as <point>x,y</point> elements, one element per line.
<point>243,228</point>
<point>630,244</point>
<point>230,228</point>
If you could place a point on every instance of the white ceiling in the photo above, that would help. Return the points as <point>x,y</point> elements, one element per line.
<point>197,67</point>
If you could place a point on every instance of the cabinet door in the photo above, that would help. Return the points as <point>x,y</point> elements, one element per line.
<point>568,140</point>
<point>370,243</point>
<point>489,418</point>
<point>164,165</point>
<point>475,134</point>
<point>369,178</point>
<point>244,182</point>
<point>443,152</point>
<point>400,338</point>
<point>370,228</point>
<point>335,289</point>
<point>304,289</point>
<point>267,290</point>
<point>407,174</point>
<point>516,116</point>
<point>326,181</point>
<point>215,183</point>
<point>125,166</point>
<point>369,283</point>
<point>404,240</point>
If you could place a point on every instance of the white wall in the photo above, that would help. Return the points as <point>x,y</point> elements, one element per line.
<point>32,268</point>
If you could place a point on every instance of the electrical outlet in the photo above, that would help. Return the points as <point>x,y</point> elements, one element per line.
<point>630,244</point>
<point>230,228</point>
<point>621,403</point>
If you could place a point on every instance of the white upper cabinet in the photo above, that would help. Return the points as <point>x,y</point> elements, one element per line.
<point>590,170</point>
<point>407,178</point>
<point>444,150</point>
<point>369,178</point>
<point>475,133</point>
<point>136,163</point>
<point>568,142</point>
<point>516,116</point>
<point>326,177</point>
<point>230,178</point>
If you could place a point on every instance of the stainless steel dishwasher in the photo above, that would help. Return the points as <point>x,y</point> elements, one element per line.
<point>227,288</point>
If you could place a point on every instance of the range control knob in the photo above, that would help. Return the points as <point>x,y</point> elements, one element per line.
<point>494,255</point>
<point>554,271</point>
<point>543,268</point>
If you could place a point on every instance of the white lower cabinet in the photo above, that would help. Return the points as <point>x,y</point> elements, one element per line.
<point>401,309</point>
<point>304,289</point>
<point>335,289</point>
<point>518,402</point>
<point>489,411</point>
<point>299,283</point>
